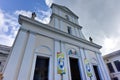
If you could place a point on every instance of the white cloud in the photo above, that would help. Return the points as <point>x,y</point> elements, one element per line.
<point>1,18</point>
<point>8,28</point>
<point>44,17</point>
<point>9,25</point>
<point>6,40</point>
<point>46,13</point>
<point>49,2</point>
<point>5,29</point>
<point>110,44</point>
<point>23,12</point>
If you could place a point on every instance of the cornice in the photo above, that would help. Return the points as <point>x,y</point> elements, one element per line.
<point>113,54</point>
<point>56,31</point>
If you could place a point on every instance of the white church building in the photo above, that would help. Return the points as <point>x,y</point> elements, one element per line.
<point>54,51</point>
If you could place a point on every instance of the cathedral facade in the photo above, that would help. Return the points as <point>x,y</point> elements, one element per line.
<point>54,51</point>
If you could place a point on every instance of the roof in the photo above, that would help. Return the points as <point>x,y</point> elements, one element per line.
<point>64,8</point>
<point>115,53</point>
<point>4,49</point>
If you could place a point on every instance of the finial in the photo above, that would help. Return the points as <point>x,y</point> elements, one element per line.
<point>91,40</point>
<point>33,15</point>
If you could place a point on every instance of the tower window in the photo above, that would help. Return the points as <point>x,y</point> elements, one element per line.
<point>110,67</point>
<point>117,64</point>
<point>69,30</point>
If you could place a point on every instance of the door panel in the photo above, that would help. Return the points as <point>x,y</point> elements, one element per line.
<point>75,71</point>
<point>41,68</point>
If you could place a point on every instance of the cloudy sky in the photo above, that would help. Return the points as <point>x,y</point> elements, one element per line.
<point>100,19</point>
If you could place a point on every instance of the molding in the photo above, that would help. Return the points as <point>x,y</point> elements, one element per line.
<point>55,31</point>
<point>62,39</point>
<point>37,50</point>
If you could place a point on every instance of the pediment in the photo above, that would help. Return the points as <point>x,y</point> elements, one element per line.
<point>64,8</point>
<point>43,49</point>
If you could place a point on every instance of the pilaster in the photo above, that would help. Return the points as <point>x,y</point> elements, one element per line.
<point>65,76</point>
<point>15,59</point>
<point>82,67</point>
<point>25,70</point>
<point>83,56</point>
<point>57,49</point>
<point>91,66</point>
<point>103,68</point>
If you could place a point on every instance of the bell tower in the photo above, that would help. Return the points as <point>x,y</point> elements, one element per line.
<point>64,19</point>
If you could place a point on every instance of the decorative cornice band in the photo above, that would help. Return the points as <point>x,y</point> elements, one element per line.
<point>47,27</point>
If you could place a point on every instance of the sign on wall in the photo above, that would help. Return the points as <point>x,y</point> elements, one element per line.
<point>60,63</point>
<point>88,70</point>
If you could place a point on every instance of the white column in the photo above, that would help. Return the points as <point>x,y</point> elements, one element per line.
<point>26,65</point>
<point>100,67</point>
<point>65,76</point>
<point>56,10</point>
<point>81,34</point>
<point>77,32</point>
<point>84,68</point>
<point>57,49</point>
<point>91,66</point>
<point>104,69</point>
<point>81,65</point>
<point>14,62</point>
<point>56,23</point>
<point>73,31</point>
<point>61,25</point>
<point>51,69</point>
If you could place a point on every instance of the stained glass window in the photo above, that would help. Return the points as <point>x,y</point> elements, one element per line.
<point>72,52</point>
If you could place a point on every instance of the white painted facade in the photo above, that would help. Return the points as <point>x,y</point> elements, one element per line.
<point>45,40</point>
<point>111,59</point>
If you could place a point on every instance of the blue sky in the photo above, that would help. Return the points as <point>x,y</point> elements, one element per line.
<point>100,19</point>
<point>31,5</point>
<point>9,11</point>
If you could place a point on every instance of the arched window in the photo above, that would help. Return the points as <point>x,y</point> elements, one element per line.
<point>69,30</point>
<point>43,49</point>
